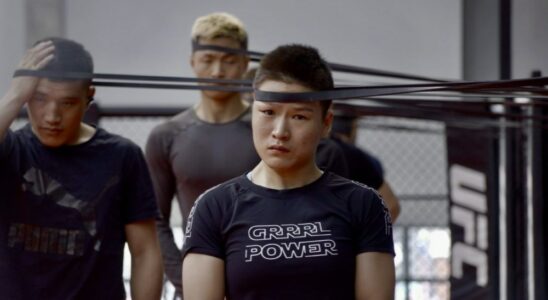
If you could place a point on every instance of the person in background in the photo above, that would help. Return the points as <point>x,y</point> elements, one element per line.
<point>207,143</point>
<point>71,194</point>
<point>363,166</point>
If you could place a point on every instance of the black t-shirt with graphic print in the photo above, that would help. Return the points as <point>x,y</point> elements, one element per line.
<point>299,243</point>
<point>62,215</point>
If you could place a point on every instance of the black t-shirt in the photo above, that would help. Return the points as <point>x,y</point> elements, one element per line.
<point>362,166</point>
<point>331,157</point>
<point>63,212</point>
<point>299,243</point>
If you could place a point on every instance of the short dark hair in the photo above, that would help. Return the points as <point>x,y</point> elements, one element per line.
<point>69,56</point>
<point>299,64</point>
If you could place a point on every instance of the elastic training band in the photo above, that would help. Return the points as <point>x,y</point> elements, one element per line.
<point>126,77</point>
<point>54,75</point>
<point>371,91</point>
<point>160,82</point>
<point>256,56</point>
<point>236,89</point>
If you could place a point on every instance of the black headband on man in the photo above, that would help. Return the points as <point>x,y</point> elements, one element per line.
<point>253,55</point>
<point>54,74</point>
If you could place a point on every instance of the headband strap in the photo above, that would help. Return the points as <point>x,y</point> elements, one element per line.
<point>196,46</point>
<point>498,88</point>
<point>371,91</point>
<point>53,74</point>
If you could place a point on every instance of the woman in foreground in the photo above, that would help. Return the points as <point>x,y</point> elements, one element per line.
<point>288,230</point>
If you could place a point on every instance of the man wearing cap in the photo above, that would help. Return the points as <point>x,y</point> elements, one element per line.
<point>71,194</point>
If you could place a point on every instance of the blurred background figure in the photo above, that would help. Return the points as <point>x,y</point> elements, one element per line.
<point>362,166</point>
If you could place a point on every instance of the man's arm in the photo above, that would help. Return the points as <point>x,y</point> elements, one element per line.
<point>22,88</point>
<point>203,277</point>
<point>392,202</point>
<point>164,184</point>
<point>375,276</point>
<point>146,260</point>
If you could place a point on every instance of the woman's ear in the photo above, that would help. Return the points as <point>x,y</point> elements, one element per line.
<point>327,123</point>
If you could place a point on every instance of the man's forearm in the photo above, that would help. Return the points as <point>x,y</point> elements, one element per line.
<point>171,254</point>
<point>391,200</point>
<point>146,275</point>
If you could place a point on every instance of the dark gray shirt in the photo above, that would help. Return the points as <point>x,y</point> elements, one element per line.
<point>187,156</point>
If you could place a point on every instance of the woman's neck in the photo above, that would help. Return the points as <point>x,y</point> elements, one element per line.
<point>267,177</point>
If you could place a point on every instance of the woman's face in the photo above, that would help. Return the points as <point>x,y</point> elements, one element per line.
<point>287,134</point>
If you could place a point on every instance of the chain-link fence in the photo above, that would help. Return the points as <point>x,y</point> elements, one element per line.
<point>413,153</point>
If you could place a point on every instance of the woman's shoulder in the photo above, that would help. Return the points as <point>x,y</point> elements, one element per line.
<point>348,189</point>
<point>225,191</point>
<point>338,182</point>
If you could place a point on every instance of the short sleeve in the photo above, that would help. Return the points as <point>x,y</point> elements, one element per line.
<point>373,226</point>
<point>203,230</point>
<point>367,169</point>
<point>330,157</point>
<point>6,144</point>
<point>139,201</point>
<point>377,165</point>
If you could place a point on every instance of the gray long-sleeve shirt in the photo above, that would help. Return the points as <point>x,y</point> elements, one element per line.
<point>187,156</point>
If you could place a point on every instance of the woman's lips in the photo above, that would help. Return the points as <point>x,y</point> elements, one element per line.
<point>278,148</point>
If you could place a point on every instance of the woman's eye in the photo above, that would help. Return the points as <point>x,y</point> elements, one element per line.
<point>267,112</point>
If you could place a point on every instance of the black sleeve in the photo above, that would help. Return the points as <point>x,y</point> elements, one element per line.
<point>139,201</point>
<point>372,222</point>
<point>330,157</point>
<point>366,169</point>
<point>6,144</point>
<point>203,230</point>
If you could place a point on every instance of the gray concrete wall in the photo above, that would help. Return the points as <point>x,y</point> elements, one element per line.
<point>530,37</point>
<point>44,18</point>
<point>12,38</point>
<point>152,37</point>
<point>481,39</point>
